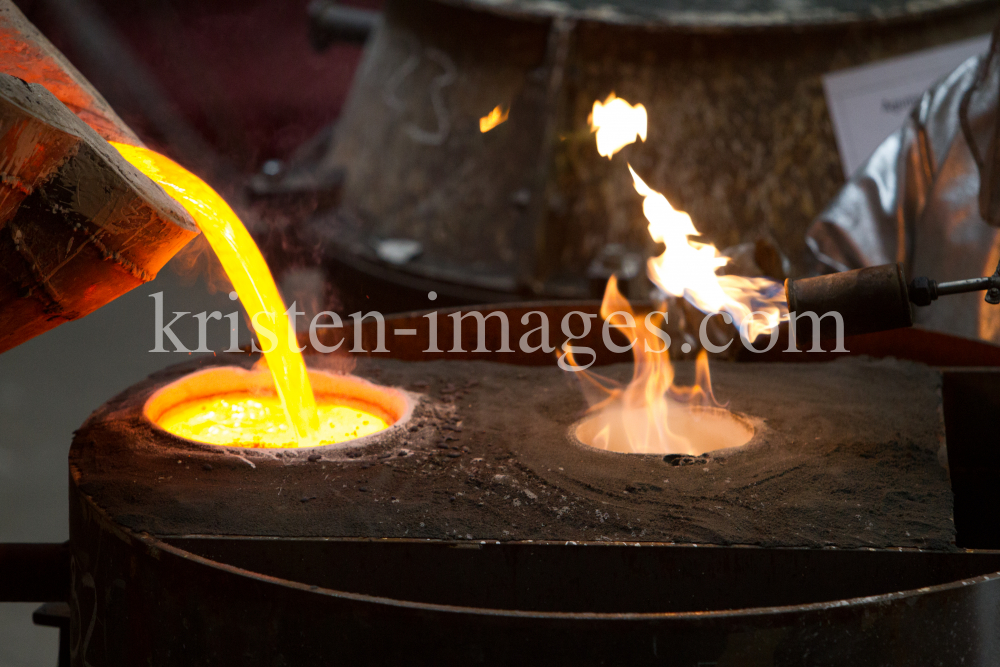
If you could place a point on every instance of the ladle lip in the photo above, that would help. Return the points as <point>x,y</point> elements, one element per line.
<point>753,425</point>
<point>394,402</point>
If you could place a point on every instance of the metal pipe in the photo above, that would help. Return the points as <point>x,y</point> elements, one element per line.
<point>970,285</point>
<point>925,290</point>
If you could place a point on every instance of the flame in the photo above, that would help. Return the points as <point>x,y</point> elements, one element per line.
<point>617,124</point>
<point>492,119</point>
<point>653,374</point>
<point>651,414</point>
<point>249,274</point>
<point>687,268</point>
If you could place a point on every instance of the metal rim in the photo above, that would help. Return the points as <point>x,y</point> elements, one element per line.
<point>755,425</point>
<point>715,21</point>
<point>148,394</point>
<point>154,545</point>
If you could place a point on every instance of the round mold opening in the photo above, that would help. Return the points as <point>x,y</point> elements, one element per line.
<point>351,409</point>
<point>691,430</point>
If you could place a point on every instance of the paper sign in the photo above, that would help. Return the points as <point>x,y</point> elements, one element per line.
<point>871,102</point>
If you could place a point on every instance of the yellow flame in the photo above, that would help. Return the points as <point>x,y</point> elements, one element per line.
<point>244,420</point>
<point>653,374</point>
<point>492,119</point>
<point>687,268</point>
<point>249,274</point>
<point>651,414</point>
<point>617,124</point>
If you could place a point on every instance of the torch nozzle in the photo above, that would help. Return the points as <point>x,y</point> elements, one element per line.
<point>875,298</point>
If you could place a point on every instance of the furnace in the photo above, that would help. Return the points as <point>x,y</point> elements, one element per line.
<point>739,135</point>
<point>481,515</point>
<point>849,454</point>
<point>235,407</point>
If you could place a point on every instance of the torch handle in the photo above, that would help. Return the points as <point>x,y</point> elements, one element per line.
<point>867,300</point>
<point>970,285</point>
<point>922,291</point>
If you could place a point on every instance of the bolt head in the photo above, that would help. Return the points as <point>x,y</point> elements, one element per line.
<point>921,291</point>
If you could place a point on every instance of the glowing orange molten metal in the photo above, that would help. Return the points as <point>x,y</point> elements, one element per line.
<point>249,274</point>
<point>492,119</point>
<point>240,420</point>
<point>238,407</point>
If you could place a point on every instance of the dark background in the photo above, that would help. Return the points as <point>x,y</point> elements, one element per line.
<point>240,75</point>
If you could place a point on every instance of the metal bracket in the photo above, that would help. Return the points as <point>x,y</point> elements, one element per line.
<point>56,615</point>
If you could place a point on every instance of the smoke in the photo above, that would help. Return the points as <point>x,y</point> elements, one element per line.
<point>197,259</point>
<point>309,290</point>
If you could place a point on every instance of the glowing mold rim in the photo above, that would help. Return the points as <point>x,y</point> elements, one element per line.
<point>744,429</point>
<point>395,404</point>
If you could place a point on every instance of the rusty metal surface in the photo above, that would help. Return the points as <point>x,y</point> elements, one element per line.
<point>739,137</point>
<point>30,56</point>
<point>79,225</point>
<point>867,300</point>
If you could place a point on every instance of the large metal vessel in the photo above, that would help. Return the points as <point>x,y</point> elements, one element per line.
<point>739,136</point>
<point>202,555</point>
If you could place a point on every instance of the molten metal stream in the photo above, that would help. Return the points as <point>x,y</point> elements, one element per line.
<point>249,274</point>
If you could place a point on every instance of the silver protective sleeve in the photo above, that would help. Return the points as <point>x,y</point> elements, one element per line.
<point>917,201</point>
